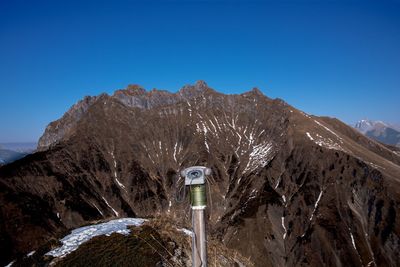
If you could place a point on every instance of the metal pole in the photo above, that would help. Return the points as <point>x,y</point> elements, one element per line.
<point>199,245</point>
<point>199,240</point>
<point>195,177</point>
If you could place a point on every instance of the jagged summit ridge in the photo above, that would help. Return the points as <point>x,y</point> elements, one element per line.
<point>134,96</point>
<point>196,90</point>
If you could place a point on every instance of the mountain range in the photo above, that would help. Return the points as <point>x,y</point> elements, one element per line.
<point>380,131</point>
<point>287,188</point>
<point>10,152</point>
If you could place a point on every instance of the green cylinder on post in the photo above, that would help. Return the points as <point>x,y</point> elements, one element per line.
<point>198,195</point>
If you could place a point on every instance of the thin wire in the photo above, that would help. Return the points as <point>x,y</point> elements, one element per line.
<point>180,197</point>
<point>209,193</point>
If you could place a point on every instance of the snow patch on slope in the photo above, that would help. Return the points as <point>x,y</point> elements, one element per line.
<point>352,240</point>
<point>115,172</point>
<point>120,184</point>
<point>115,212</point>
<point>284,228</point>
<point>186,231</point>
<point>325,142</point>
<point>316,205</point>
<point>78,236</point>
<point>30,253</point>
<point>329,130</point>
<point>259,157</point>
<point>98,209</point>
<point>309,136</point>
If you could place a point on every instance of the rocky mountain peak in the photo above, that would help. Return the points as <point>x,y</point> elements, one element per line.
<point>256,91</point>
<point>133,96</point>
<point>366,125</point>
<point>380,131</point>
<point>201,84</point>
<point>196,90</point>
<point>131,89</point>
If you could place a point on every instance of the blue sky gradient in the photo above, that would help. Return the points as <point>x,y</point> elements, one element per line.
<point>334,58</point>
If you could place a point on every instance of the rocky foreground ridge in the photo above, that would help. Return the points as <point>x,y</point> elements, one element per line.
<point>288,188</point>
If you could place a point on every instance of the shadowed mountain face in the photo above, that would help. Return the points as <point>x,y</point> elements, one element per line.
<point>287,189</point>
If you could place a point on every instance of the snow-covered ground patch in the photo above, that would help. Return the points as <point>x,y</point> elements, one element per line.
<point>101,213</point>
<point>284,228</point>
<point>186,231</point>
<point>374,165</point>
<point>328,143</point>
<point>352,240</point>
<point>115,212</point>
<point>259,157</point>
<point>253,194</point>
<point>309,136</point>
<point>329,130</point>
<point>119,183</point>
<point>325,142</point>
<point>316,205</point>
<point>169,206</point>
<point>80,235</point>
<point>31,253</point>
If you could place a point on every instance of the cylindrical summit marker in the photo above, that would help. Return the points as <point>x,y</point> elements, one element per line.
<point>198,195</point>
<point>195,178</point>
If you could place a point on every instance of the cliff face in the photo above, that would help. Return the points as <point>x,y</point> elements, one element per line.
<point>286,189</point>
<point>62,128</point>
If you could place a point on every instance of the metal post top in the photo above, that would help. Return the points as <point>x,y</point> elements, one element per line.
<point>195,175</point>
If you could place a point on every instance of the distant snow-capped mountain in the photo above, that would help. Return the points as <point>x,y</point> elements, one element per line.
<point>380,131</point>
<point>365,126</point>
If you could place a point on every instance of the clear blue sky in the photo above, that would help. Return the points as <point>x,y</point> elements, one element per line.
<point>335,58</point>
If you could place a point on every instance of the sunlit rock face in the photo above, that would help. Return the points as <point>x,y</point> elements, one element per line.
<point>287,188</point>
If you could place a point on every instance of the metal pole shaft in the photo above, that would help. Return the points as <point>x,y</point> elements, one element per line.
<point>199,240</point>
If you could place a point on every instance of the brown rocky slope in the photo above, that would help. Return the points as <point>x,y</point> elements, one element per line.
<point>288,189</point>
